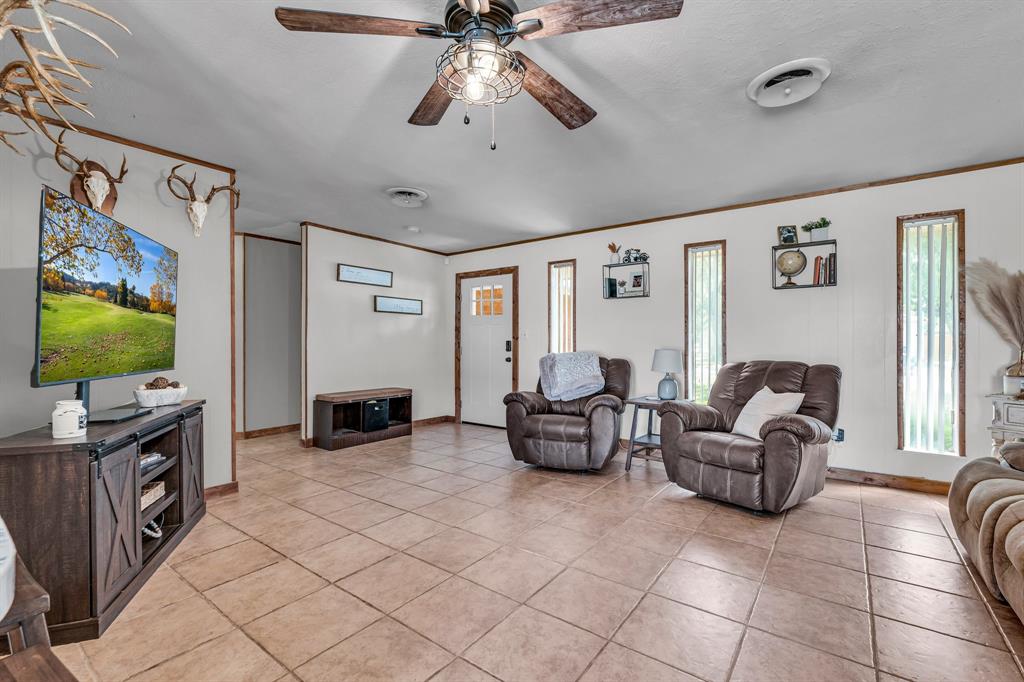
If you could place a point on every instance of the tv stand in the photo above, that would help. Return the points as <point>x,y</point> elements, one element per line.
<point>113,416</point>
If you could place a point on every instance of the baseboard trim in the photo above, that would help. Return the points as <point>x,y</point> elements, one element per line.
<point>306,442</point>
<point>446,419</point>
<point>921,485</point>
<point>269,431</point>
<point>221,490</point>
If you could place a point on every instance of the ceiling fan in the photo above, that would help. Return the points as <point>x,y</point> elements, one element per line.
<point>478,68</point>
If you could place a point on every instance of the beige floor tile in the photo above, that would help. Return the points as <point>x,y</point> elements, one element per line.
<point>622,563</point>
<point>482,472</point>
<point>229,658</point>
<point>343,556</point>
<point>742,527</point>
<point>246,501</point>
<point>946,613</point>
<point>897,499</point>
<point>448,465</point>
<point>309,626</point>
<point>688,512</point>
<point>455,613</point>
<point>918,654</point>
<point>259,593</point>
<point>821,548</point>
<point>499,525</point>
<point>404,531</point>
<point>614,502</point>
<point>817,623</point>
<point>364,515</point>
<point>830,505</point>
<point>377,488</point>
<point>513,572</point>
<point>201,541</point>
<point>452,510</point>
<point>535,506</point>
<point>554,542</point>
<point>707,588</point>
<point>74,659</point>
<point>814,578</point>
<point>294,490</point>
<point>726,555</point>
<point>267,520</point>
<point>461,671</point>
<point>413,497</point>
<point>488,494</point>
<point>825,524</point>
<point>453,550</point>
<point>619,664</point>
<point>911,542</point>
<point>299,537</point>
<point>123,650</point>
<point>564,490</point>
<point>530,645</point>
<point>922,523</point>
<point>841,490</point>
<point>451,484</point>
<point>767,658</point>
<point>226,564</point>
<point>415,474</point>
<point>587,601</point>
<point>392,582</point>
<point>699,643</point>
<point>343,478</point>
<point>660,538</point>
<point>328,502</point>
<point>163,588</point>
<point>587,520</point>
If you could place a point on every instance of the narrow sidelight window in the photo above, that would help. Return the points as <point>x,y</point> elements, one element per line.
<point>562,306</point>
<point>930,332</point>
<point>704,317</point>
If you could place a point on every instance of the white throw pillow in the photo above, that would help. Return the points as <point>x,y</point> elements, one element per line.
<point>764,405</point>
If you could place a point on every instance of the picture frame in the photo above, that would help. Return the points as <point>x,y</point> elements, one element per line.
<point>788,235</point>
<point>357,274</point>
<point>397,306</point>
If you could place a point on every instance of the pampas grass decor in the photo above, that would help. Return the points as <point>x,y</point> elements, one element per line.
<point>999,296</point>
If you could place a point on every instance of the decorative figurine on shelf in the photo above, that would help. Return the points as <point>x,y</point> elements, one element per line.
<point>614,248</point>
<point>635,256</point>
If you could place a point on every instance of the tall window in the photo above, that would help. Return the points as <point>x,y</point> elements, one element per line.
<point>562,306</point>
<point>704,318</point>
<point>930,328</point>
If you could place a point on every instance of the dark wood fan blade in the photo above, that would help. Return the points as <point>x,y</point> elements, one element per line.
<point>335,22</point>
<point>432,107</point>
<point>570,16</point>
<point>555,97</point>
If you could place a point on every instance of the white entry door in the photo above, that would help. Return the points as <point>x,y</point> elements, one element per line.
<point>486,372</point>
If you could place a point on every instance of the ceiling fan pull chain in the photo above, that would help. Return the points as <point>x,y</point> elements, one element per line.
<point>494,145</point>
<point>465,119</point>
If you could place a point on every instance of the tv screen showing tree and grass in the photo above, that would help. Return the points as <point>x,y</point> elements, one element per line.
<point>107,296</point>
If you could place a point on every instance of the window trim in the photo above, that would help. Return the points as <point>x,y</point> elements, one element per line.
<point>961,264</point>
<point>686,306</point>
<point>551,265</point>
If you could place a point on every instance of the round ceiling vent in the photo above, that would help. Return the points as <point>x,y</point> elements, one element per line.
<point>789,83</point>
<point>407,197</point>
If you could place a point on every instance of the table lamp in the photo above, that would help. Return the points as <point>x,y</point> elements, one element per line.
<point>667,360</point>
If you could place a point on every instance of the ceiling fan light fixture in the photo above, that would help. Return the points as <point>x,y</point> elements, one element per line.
<point>407,197</point>
<point>480,72</point>
<point>789,83</point>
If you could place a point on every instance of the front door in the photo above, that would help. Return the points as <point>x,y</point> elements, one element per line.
<point>486,369</point>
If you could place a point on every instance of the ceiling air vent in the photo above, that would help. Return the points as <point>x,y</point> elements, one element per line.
<point>789,83</point>
<point>407,197</point>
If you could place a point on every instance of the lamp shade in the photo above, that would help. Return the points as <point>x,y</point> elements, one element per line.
<point>667,360</point>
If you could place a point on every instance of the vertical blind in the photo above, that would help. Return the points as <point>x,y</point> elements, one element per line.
<point>931,340</point>
<point>561,307</point>
<point>706,303</point>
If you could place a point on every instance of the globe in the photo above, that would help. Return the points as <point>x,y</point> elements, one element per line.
<point>791,264</point>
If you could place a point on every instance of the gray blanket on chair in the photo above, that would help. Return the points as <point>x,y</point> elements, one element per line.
<point>567,376</point>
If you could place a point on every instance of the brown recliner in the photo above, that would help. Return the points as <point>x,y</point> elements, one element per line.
<point>785,467</point>
<point>576,434</point>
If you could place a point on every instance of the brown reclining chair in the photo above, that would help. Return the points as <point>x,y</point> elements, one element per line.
<point>576,434</point>
<point>785,467</point>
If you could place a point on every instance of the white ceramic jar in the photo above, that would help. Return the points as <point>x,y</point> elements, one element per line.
<point>69,419</point>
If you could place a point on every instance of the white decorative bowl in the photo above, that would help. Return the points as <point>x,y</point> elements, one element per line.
<point>155,397</point>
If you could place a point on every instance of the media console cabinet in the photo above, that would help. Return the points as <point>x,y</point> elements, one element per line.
<point>73,510</point>
<point>342,420</point>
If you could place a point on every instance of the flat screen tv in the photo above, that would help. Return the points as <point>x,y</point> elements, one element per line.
<point>107,297</point>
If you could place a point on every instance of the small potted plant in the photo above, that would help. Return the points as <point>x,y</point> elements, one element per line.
<point>818,229</point>
<point>613,249</point>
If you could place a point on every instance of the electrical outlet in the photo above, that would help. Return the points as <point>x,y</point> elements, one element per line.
<point>839,435</point>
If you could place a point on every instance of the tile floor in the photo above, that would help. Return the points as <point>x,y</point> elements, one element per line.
<point>438,557</point>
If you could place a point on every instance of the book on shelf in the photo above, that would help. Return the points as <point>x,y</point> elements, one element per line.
<point>832,268</point>
<point>817,270</point>
<point>150,461</point>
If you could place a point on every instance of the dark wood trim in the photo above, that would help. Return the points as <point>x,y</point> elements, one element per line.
<point>686,307</point>
<point>493,272</point>
<point>446,419</point>
<point>221,490</point>
<point>372,237</point>
<point>306,440</point>
<point>245,335</point>
<point>551,265</point>
<point>921,485</point>
<point>252,235</point>
<point>961,220</point>
<point>234,387</point>
<point>269,431</point>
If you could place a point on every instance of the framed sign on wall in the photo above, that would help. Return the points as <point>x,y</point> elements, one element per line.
<point>393,304</point>
<point>360,275</point>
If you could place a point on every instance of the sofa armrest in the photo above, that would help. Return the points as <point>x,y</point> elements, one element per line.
<point>533,403</point>
<point>808,429</point>
<point>604,400</point>
<point>694,417</point>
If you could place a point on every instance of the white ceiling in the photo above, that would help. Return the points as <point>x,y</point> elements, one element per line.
<point>316,124</point>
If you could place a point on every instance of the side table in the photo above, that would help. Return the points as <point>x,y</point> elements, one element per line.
<point>649,441</point>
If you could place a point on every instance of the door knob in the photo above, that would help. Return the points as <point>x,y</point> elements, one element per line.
<point>508,359</point>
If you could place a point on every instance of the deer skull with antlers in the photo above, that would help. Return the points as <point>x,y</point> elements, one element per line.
<point>197,206</point>
<point>90,180</point>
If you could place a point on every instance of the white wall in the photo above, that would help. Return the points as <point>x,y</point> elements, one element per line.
<point>203,343</point>
<point>852,325</point>
<point>350,347</point>
<point>273,333</point>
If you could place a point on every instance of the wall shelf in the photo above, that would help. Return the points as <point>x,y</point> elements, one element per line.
<point>626,280</point>
<point>805,279</point>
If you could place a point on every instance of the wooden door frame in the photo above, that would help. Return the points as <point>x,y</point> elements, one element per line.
<point>493,272</point>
